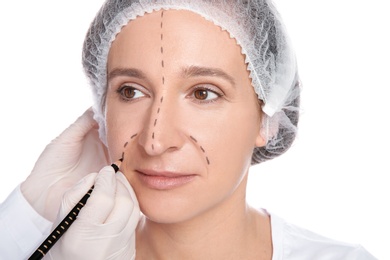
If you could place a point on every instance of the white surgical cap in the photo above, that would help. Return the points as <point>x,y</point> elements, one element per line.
<point>257,28</point>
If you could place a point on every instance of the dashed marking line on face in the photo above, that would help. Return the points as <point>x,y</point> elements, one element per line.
<point>193,139</point>
<point>162,76</point>
<point>201,148</point>
<point>125,145</point>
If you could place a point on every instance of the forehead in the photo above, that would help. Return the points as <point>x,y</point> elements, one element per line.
<point>180,36</point>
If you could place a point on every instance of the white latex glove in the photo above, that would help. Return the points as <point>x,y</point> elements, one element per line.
<point>77,152</point>
<point>105,226</point>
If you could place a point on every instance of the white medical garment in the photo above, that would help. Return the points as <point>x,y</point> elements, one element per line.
<point>294,243</point>
<point>22,230</point>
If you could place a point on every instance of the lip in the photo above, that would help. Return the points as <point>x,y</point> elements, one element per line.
<point>163,180</point>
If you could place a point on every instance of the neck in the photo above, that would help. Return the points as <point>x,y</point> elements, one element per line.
<point>231,230</point>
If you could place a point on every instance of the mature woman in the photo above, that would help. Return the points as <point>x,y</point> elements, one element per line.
<point>189,95</point>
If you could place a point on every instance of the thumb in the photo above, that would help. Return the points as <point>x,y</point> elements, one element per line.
<point>102,201</point>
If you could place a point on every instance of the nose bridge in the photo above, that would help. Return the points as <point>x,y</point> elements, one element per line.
<point>160,132</point>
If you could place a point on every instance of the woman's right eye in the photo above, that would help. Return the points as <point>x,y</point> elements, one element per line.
<point>128,92</point>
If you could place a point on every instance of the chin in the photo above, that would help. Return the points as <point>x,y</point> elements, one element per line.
<point>169,207</point>
<point>167,215</point>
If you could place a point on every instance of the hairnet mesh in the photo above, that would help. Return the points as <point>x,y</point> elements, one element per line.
<point>257,28</point>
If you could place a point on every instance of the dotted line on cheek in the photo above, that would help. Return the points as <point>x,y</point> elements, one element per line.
<point>125,145</point>
<point>201,148</point>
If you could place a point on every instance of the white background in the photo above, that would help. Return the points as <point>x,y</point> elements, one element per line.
<point>333,181</point>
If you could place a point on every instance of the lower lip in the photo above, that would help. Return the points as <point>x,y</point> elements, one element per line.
<point>163,182</point>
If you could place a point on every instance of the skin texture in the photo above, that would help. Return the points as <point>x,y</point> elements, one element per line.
<point>167,116</point>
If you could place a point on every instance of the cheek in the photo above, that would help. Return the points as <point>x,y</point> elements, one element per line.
<point>232,140</point>
<point>114,136</point>
<point>120,130</point>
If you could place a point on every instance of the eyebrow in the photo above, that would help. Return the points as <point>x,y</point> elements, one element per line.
<point>128,72</point>
<point>187,72</point>
<point>196,71</point>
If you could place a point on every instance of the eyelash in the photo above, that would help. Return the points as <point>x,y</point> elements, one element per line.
<point>208,89</point>
<point>122,95</point>
<point>125,87</point>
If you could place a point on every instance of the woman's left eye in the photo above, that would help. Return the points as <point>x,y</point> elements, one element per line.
<point>205,94</point>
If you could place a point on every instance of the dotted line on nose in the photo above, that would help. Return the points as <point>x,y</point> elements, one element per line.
<point>162,77</point>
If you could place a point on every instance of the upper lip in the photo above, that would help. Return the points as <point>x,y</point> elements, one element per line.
<point>168,174</point>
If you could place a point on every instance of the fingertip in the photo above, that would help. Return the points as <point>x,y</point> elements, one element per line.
<point>90,114</point>
<point>126,208</point>
<point>122,179</point>
<point>86,119</point>
<point>105,180</point>
<point>102,199</point>
<point>80,127</point>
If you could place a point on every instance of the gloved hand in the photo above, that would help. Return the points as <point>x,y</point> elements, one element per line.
<point>105,226</point>
<point>77,152</point>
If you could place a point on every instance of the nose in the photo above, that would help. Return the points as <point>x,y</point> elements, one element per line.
<point>161,130</point>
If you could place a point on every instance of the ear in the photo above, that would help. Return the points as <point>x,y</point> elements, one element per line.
<point>261,139</point>
<point>269,129</point>
<point>262,136</point>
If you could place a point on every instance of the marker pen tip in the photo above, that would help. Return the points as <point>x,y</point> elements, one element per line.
<point>116,165</point>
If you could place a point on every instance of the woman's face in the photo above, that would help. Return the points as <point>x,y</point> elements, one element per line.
<point>181,109</point>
